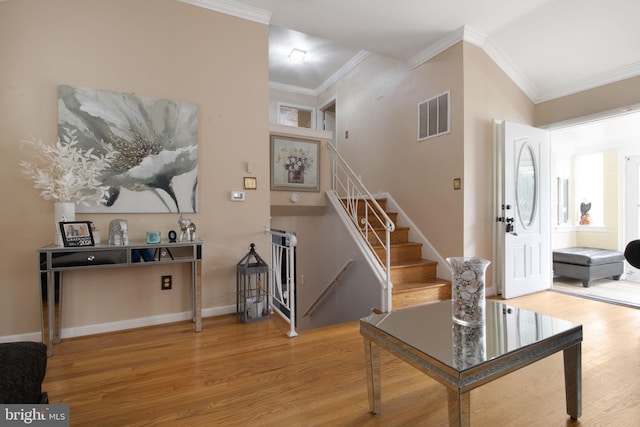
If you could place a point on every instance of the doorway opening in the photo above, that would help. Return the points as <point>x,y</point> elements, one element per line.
<point>595,163</point>
<point>328,119</point>
<point>328,116</point>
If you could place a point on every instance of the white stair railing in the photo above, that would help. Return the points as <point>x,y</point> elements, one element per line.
<point>282,290</point>
<point>367,216</point>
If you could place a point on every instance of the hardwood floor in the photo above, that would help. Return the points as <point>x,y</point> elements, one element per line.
<point>253,375</point>
<point>624,292</point>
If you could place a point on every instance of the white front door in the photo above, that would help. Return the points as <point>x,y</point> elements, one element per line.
<point>523,232</point>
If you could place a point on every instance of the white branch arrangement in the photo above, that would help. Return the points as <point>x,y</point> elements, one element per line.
<point>65,173</point>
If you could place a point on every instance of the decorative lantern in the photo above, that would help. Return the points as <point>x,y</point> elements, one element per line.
<point>252,299</point>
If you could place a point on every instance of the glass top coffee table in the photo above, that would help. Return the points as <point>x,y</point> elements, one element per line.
<point>463,358</point>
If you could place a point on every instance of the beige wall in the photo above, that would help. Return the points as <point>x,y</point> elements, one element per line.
<point>319,260</point>
<point>488,94</point>
<point>597,100</point>
<point>168,49</point>
<point>614,97</point>
<point>608,238</point>
<point>377,103</point>
<point>606,235</point>
<point>309,202</point>
<point>286,97</point>
<point>157,48</point>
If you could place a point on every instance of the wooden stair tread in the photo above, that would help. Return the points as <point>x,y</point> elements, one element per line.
<point>398,245</point>
<point>380,200</point>
<point>415,286</point>
<point>375,223</point>
<point>389,214</point>
<point>414,279</point>
<point>380,228</point>
<point>408,264</point>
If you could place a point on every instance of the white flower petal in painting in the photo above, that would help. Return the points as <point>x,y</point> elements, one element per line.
<point>155,140</point>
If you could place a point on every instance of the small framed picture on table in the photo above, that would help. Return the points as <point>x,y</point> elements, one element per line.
<point>76,233</point>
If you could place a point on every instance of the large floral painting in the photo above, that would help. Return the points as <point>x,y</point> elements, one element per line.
<point>155,168</point>
<point>295,164</point>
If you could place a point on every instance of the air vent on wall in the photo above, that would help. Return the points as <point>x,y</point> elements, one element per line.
<point>433,116</point>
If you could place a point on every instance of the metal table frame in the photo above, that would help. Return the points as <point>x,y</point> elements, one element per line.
<point>54,260</point>
<point>459,383</point>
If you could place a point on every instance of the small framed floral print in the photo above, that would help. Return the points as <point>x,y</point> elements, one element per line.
<point>295,164</point>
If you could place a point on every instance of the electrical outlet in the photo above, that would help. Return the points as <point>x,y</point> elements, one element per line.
<point>166,283</point>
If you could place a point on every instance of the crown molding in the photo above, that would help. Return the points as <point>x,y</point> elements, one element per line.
<point>535,94</point>
<point>436,48</point>
<point>293,89</point>
<point>513,72</point>
<point>234,8</point>
<point>608,77</point>
<point>470,35</point>
<point>350,65</point>
<point>473,36</point>
<point>464,33</point>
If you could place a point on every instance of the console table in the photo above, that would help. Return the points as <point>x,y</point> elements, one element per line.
<point>54,260</point>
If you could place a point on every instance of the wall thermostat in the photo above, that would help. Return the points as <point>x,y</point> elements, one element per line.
<point>237,196</point>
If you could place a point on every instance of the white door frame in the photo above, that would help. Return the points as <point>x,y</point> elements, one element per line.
<point>320,119</point>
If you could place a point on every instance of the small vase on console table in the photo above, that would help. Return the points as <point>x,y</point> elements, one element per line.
<point>63,212</point>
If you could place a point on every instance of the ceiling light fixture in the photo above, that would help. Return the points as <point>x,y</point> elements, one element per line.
<point>297,56</point>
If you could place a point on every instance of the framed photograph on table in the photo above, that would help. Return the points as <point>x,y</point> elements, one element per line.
<point>76,233</point>
<point>295,164</point>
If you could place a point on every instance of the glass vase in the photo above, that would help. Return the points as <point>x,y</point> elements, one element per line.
<point>468,290</point>
<point>63,212</point>
<point>469,345</point>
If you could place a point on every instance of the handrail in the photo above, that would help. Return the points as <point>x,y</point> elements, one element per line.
<point>282,298</point>
<point>359,203</point>
<point>329,287</point>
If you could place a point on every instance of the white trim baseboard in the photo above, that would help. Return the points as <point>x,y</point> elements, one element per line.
<point>29,336</point>
<point>100,328</point>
